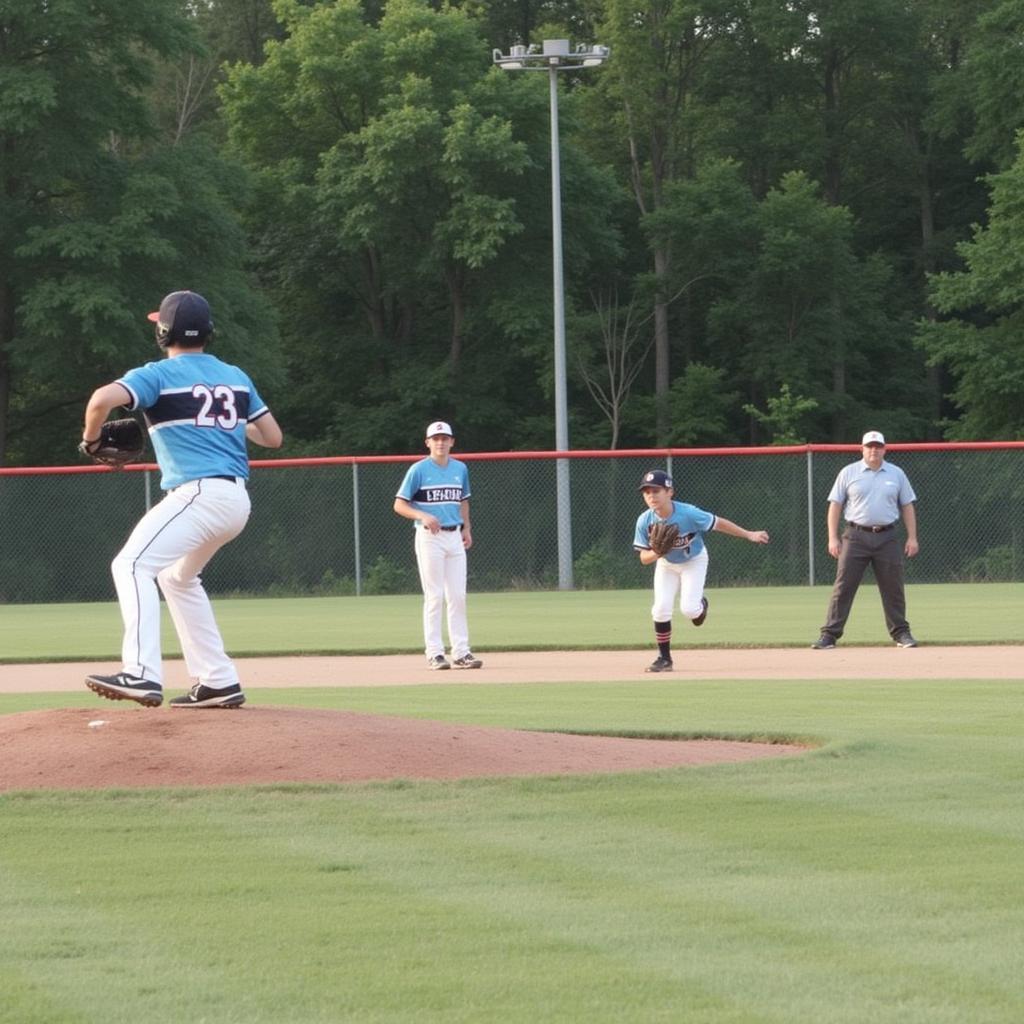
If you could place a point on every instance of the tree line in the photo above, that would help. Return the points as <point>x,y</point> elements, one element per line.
<point>784,220</point>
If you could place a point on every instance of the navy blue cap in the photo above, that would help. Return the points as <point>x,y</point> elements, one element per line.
<point>656,478</point>
<point>183,319</point>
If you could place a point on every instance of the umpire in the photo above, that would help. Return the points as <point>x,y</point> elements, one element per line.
<point>871,495</point>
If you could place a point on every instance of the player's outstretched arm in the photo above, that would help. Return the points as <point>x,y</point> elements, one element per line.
<point>723,525</point>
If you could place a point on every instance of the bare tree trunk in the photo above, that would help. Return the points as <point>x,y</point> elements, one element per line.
<point>833,158</point>
<point>927,215</point>
<point>6,336</point>
<point>376,314</point>
<point>662,354</point>
<point>456,297</point>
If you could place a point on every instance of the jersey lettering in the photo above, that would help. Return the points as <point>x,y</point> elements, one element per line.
<point>221,398</point>
<point>431,494</point>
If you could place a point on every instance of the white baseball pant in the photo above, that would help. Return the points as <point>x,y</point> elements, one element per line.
<point>442,563</point>
<point>171,545</point>
<point>683,578</point>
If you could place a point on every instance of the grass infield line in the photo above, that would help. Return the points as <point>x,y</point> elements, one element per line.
<point>549,620</point>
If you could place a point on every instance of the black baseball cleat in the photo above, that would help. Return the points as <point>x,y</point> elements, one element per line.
<point>906,640</point>
<point>660,664</point>
<point>201,696</point>
<point>467,661</point>
<point>438,661</point>
<point>699,621</point>
<point>123,686</point>
<point>825,642</point>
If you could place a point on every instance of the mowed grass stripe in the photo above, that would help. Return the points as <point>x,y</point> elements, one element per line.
<point>748,617</point>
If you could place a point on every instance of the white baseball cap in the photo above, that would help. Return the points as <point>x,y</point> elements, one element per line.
<point>873,437</point>
<point>439,427</point>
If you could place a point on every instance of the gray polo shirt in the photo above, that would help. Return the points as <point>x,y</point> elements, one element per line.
<point>872,497</point>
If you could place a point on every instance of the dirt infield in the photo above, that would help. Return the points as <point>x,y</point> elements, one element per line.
<point>123,745</point>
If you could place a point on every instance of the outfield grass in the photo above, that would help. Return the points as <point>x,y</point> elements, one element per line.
<point>751,617</point>
<point>877,879</point>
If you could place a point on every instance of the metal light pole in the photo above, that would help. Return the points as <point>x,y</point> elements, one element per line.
<point>553,57</point>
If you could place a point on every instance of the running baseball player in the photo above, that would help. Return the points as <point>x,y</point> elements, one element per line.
<point>435,495</point>
<point>199,411</point>
<point>670,534</point>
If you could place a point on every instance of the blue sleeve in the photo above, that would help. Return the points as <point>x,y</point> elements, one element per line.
<point>465,481</point>
<point>641,541</point>
<point>143,384</point>
<point>257,407</point>
<point>702,520</point>
<point>410,483</point>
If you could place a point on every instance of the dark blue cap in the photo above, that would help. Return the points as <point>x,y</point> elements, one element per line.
<point>183,319</point>
<point>656,478</point>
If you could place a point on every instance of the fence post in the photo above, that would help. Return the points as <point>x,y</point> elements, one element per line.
<point>810,518</point>
<point>149,489</point>
<point>355,528</point>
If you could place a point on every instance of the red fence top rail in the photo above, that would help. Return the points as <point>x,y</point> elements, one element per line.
<point>622,453</point>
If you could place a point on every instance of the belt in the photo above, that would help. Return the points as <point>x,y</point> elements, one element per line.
<point>872,529</point>
<point>450,529</point>
<point>233,479</point>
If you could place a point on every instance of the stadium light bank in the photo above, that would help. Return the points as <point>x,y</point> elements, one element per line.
<point>554,56</point>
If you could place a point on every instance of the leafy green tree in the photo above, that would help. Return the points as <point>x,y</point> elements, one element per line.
<point>981,344</point>
<point>652,87</point>
<point>398,173</point>
<point>783,418</point>
<point>100,216</point>
<point>812,313</point>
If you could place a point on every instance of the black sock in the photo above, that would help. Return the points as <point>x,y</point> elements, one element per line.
<point>663,636</point>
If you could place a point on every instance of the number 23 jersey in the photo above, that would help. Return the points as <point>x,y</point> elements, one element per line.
<point>197,408</point>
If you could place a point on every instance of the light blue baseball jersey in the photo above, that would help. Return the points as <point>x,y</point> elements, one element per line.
<point>197,408</point>
<point>692,522</point>
<point>872,497</point>
<point>437,489</point>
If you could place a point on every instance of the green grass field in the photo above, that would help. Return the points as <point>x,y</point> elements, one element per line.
<point>875,879</point>
<point>754,617</point>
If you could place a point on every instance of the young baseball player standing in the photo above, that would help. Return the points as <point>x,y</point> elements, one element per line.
<point>670,534</point>
<point>200,411</point>
<point>435,495</point>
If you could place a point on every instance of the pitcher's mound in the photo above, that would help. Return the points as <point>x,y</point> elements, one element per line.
<point>131,746</point>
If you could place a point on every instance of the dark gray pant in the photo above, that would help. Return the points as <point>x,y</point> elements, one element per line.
<point>884,553</point>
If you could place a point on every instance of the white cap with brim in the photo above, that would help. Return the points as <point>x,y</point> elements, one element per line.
<point>439,427</point>
<point>873,437</point>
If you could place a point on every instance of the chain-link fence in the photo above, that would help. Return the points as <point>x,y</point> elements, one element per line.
<point>326,526</point>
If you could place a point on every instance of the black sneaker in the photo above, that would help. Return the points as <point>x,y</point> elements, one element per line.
<point>125,687</point>
<point>905,640</point>
<point>467,661</point>
<point>660,664</point>
<point>699,621</point>
<point>201,696</point>
<point>824,643</point>
<point>438,661</point>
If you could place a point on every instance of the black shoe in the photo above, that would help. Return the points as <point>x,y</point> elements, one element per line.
<point>699,621</point>
<point>660,664</point>
<point>201,696</point>
<point>125,687</point>
<point>905,640</point>
<point>438,661</point>
<point>467,661</point>
<point>824,643</point>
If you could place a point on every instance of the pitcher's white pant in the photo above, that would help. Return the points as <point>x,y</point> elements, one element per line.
<point>442,563</point>
<point>683,578</point>
<point>171,545</point>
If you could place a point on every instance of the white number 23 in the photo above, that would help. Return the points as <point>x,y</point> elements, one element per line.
<point>218,408</point>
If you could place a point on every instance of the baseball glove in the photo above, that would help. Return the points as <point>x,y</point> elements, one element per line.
<point>662,538</point>
<point>120,442</point>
